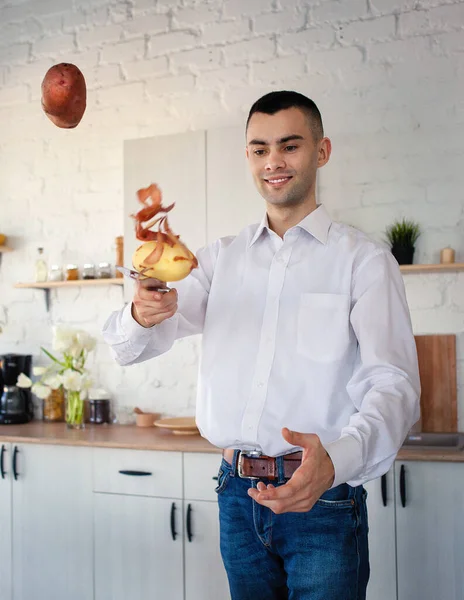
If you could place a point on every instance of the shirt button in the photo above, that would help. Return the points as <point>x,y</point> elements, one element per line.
<point>260,384</point>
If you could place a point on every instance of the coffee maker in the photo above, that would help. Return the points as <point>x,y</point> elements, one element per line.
<point>15,402</point>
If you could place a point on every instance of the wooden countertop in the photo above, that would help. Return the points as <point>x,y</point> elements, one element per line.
<point>152,438</point>
<point>104,436</point>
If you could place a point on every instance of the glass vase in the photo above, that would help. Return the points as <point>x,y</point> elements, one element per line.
<point>74,410</point>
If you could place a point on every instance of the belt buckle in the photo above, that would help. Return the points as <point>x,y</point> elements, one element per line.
<point>248,454</point>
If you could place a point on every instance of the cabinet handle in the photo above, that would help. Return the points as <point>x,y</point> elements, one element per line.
<point>2,470</point>
<point>189,523</point>
<point>215,478</point>
<point>136,473</point>
<point>383,484</point>
<point>403,486</point>
<point>15,454</point>
<point>173,521</point>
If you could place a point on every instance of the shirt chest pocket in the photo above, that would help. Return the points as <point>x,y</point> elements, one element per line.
<point>323,326</point>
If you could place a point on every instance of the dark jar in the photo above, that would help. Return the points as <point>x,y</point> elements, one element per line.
<point>99,411</point>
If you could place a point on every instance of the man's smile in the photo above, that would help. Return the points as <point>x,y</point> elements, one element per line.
<point>277,182</point>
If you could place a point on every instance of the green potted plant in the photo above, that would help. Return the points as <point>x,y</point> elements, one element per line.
<point>402,236</point>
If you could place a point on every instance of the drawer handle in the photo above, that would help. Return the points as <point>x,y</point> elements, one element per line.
<point>136,473</point>
<point>2,470</point>
<point>173,521</point>
<point>15,454</point>
<point>383,485</point>
<point>189,523</point>
<point>403,486</point>
<point>215,478</point>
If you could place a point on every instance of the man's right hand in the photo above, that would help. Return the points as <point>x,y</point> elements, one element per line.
<point>150,307</point>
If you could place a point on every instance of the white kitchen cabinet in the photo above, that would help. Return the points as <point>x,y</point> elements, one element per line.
<point>430,530</point>
<point>52,523</point>
<point>382,546</point>
<point>5,521</point>
<point>205,576</point>
<point>138,548</point>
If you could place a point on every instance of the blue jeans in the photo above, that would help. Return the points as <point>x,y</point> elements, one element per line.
<point>318,555</point>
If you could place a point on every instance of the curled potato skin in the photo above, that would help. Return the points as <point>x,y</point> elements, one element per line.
<point>64,95</point>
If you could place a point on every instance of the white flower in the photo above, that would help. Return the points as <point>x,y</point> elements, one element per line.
<point>85,340</point>
<point>23,381</point>
<point>75,349</point>
<point>41,391</point>
<point>38,371</point>
<point>53,381</point>
<point>72,380</point>
<point>63,338</point>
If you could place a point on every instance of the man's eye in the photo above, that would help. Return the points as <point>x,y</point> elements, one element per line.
<point>290,148</point>
<point>259,152</point>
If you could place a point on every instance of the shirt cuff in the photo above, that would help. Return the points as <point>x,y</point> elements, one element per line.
<point>131,328</point>
<point>346,456</point>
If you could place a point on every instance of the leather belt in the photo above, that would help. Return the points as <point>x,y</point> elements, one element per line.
<point>262,466</point>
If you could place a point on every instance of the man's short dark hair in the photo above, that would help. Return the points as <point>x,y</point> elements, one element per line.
<point>275,101</point>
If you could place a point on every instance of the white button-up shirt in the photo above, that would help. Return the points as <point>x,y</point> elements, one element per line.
<point>310,332</point>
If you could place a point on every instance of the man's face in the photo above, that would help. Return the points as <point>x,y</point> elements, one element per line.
<point>283,156</point>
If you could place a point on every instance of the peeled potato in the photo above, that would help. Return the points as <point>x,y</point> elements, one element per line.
<point>64,95</point>
<point>167,268</point>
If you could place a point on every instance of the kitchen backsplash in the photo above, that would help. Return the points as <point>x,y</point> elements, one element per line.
<point>387,78</point>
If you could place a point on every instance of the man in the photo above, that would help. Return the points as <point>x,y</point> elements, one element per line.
<point>308,355</point>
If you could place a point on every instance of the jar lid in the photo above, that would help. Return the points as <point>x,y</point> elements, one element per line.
<point>89,266</point>
<point>103,264</point>
<point>71,266</point>
<point>55,267</point>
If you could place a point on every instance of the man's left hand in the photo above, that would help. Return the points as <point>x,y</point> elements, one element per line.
<point>313,477</point>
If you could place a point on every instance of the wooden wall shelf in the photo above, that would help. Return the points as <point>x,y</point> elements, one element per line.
<point>46,286</point>
<point>440,268</point>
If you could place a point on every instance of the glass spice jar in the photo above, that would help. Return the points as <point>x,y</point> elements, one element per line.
<point>72,273</point>
<point>88,271</point>
<point>104,270</point>
<point>55,273</point>
<point>53,406</point>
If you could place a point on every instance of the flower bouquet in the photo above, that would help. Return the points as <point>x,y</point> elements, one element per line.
<point>67,372</point>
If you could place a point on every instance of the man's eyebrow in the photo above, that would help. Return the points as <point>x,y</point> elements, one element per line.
<point>284,140</point>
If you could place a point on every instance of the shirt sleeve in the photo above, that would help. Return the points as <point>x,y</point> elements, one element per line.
<point>131,343</point>
<point>385,385</point>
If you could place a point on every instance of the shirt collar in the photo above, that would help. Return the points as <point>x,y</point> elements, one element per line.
<point>317,223</point>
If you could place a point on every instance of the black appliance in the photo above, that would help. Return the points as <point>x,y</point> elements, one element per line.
<point>15,402</point>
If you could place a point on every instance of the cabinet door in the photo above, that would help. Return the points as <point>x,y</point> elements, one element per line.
<point>382,550</point>
<point>136,557</point>
<point>205,576</point>
<point>430,530</point>
<point>5,521</point>
<point>52,523</point>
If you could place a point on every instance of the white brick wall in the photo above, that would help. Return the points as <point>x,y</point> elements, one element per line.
<point>387,75</point>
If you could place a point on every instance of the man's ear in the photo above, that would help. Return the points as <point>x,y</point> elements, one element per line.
<point>246,151</point>
<point>325,151</point>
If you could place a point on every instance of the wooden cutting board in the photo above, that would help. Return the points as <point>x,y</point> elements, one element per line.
<point>437,368</point>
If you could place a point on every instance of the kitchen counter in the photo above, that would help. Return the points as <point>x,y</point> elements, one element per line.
<point>152,438</point>
<point>104,436</point>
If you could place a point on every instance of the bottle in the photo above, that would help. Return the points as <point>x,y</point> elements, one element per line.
<point>41,270</point>
<point>119,254</point>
